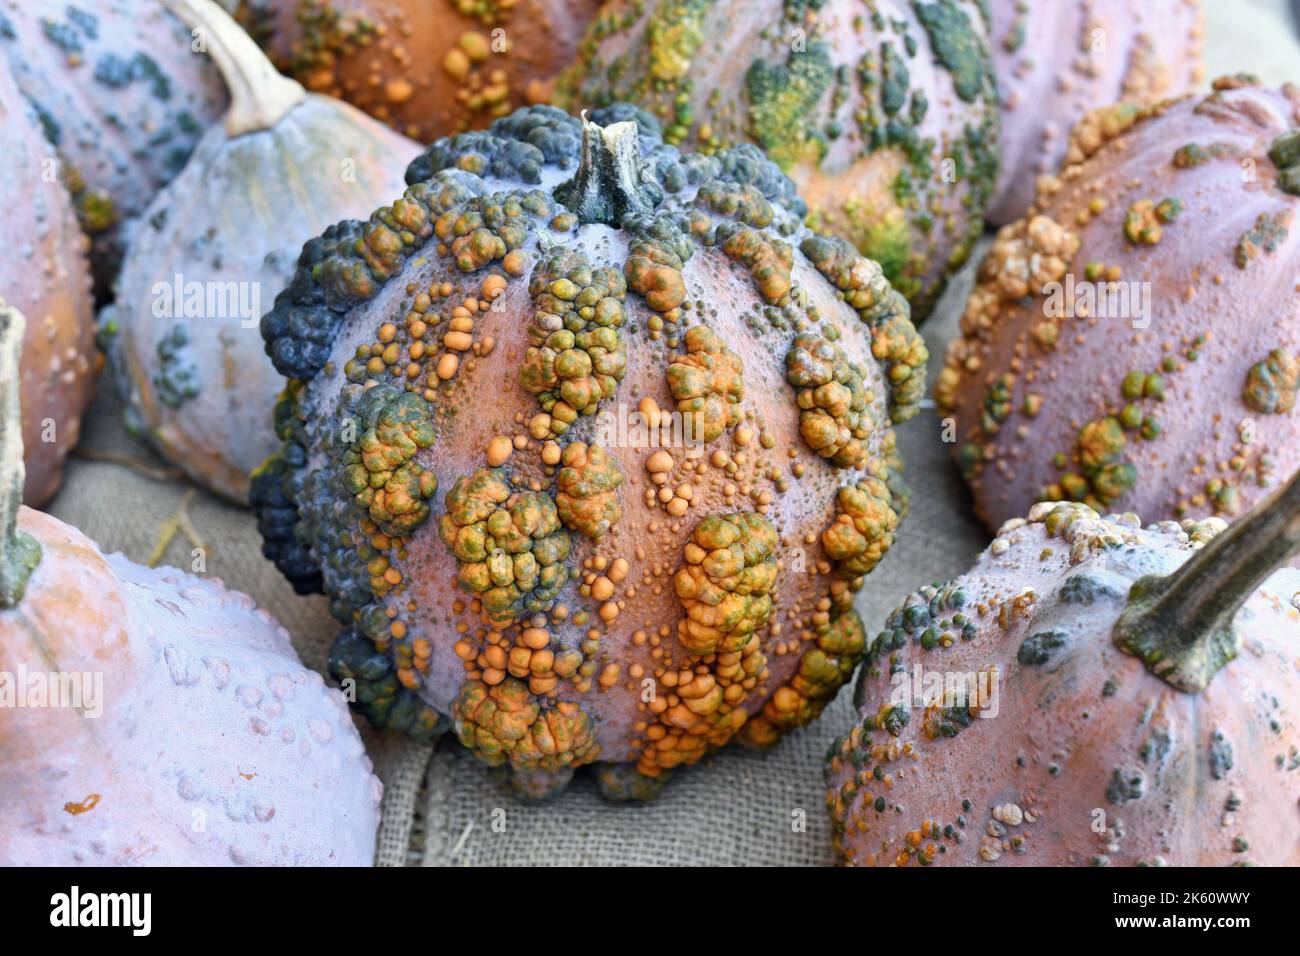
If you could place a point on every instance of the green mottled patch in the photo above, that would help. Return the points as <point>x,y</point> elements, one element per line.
<point>884,236</point>
<point>1285,153</point>
<point>997,404</point>
<point>1264,238</point>
<point>673,34</point>
<point>18,559</point>
<point>956,45</point>
<point>1271,384</point>
<point>1142,222</point>
<point>1168,210</point>
<point>379,469</point>
<point>893,722</point>
<point>782,97</point>
<point>1194,154</point>
<point>511,548</point>
<point>1038,649</point>
<point>1223,496</point>
<point>1106,474</point>
<point>948,721</point>
<point>577,354</point>
<point>177,378</point>
<point>1099,443</point>
<point>96,211</point>
<point>894,79</point>
<point>833,419</point>
<point>1132,385</point>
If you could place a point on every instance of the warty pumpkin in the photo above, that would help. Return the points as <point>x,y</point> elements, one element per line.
<point>221,240</point>
<point>426,67</point>
<point>148,716</point>
<point>884,115</point>
<point>1093,693</point>
<point>1057,61</point>
<point>590,443</point>
<point>1134,342</point>
<point>121,95</point>
<point>44,272</point>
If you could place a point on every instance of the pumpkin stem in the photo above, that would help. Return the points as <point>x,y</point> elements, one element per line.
<point>1180,624</point>
<point>259,96</point>
<point>19,551</point>
<point>608,186</point>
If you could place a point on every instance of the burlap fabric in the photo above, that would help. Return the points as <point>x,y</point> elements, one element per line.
<point>739,807</point>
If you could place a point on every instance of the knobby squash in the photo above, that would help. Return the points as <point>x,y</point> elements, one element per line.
<point>566,425</point>
<point>151,716</point>
<point>1134,341</point>
<point>1091,693</point>
<point>44,272</point>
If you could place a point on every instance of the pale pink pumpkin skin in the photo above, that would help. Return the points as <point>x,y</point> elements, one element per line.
<point>1039,776</point>
<point>215,745</point>
<point>44,274</point>
<point>1057,60</point>
<point>1207,278</point>
<point>239,214</point>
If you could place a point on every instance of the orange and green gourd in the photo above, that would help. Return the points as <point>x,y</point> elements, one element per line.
<point>1133,342</point>
<point>541,452</point>
<point>884,114</point>
<point>428,68</point>
<point>1093,692</point>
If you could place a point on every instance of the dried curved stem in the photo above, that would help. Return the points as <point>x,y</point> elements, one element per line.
<point>1181,624</point>
<point>259,95</point>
